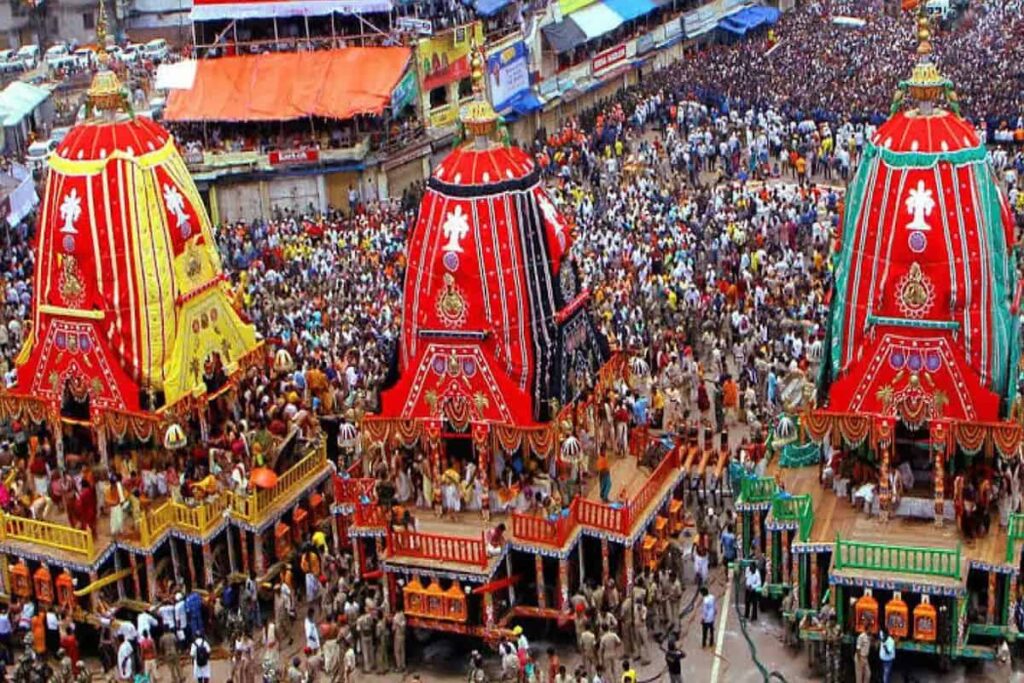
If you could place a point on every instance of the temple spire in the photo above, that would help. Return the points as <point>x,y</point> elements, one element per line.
<point>106,93</point>
<point>926,86</point>
<point>478,116</point>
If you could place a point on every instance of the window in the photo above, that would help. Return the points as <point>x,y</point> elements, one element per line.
<point>439,97</point>
<point>465,88</point>
<point>88,21</point>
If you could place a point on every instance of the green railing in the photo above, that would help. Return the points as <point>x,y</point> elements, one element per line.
<point>1013,537</point>
<point>758,489</point>
<point>898,559</point>
<point>799,509</point>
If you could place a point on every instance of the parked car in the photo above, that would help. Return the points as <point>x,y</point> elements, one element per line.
<point>28,55</point>
<point>38,153</point>
<point>131,53</point>
<point>156,50</point>
<point>60,57</point>
<point>84,58</point>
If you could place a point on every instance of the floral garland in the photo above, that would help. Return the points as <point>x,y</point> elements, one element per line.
<point>970,437</point>
<point>853,429</point>
<point>794,455</point>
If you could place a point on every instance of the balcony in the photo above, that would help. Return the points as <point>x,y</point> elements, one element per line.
<point>463,543</point>
<point>198,520</point>
<point>256,507</point>
<point>213,160</point>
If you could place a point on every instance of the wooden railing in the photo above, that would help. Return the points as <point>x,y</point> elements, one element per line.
<point>352,491</point>
<point>1015,534</point>
<point>544,530</point>
<point>797,509</point>
<point>620,518</point>
<point>941,562</point>
<point>155,521</point>
<point>417,545</point>
<point>56,536</point>
<point>254,506</point>
<point>370,516</point>
<point>201,519</point>
<point>758,489</point>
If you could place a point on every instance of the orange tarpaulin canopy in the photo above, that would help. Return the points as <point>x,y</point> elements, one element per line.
<point>335,84</point>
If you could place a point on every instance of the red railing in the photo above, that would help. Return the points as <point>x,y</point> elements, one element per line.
<point>436,547</point>
<point>662,473</point>
<point>619,519</point>
<point>352,491</point>
<point>370,516</point>
<point>536,529</point>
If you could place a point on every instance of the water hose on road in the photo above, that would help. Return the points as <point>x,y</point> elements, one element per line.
<point>766,675</point>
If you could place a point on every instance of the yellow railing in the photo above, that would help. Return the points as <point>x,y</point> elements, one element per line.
<point>199,519</point>
<point>155,521</point>
<point>254,506</point>
<point>50,535</point>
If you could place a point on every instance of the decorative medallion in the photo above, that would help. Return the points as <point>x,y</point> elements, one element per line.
<point>70,285</point>
<point>451,260</point>
<point>917,242</point>
<point>193,266</point>
<point>915,292</point>
<point>438,365</point>
<point>68,243</point>
<point>567,282</point>
<point>469,367</point>
<point>452,308</point>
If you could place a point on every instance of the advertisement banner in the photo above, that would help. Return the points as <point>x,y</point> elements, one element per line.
<point>444,58</point>
<point>508,73</point>
<point>608,59</point>
<point>282,157</point>
<point>405,92</point>
<point>444,116</point>
<point>645,43</point>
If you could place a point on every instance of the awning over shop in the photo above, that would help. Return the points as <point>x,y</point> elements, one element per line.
<point>631,9</point>
<point>523,103</point>
<point>488,8</point>
<point>749,19</point>
<point>564,35</point>
<point>334,84</point>
<point>19,100</point>
<point>597,20</point>
<point>206,10</point>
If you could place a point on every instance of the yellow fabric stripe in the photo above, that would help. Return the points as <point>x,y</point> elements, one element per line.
<point>227,336</point>
<point>80,167</point>
<point>568,6</point>
<point>71,312</point>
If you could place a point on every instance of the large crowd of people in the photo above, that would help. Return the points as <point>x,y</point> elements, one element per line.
<point>704,202</point>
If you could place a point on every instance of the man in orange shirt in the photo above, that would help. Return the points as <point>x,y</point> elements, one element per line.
<point>730,399</point>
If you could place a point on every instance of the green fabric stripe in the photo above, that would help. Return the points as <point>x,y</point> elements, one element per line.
<point>971,155</point>
<point>853,208</point>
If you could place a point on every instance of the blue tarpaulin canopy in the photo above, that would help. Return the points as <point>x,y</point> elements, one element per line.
<point>564,35</point>
<point>631,9</point>
<point>522,103</point>
<point>748,19</point>
<point>488,8</point>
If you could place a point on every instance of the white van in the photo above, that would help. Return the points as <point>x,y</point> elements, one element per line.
<point>156,50</point>
<point>939,9</point>
<point>28,55</point>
